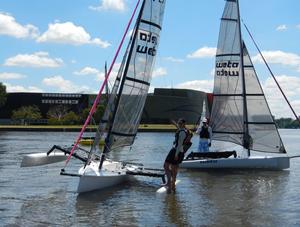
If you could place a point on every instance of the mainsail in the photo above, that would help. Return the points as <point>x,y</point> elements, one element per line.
<point>240,113</point>
<point>131,87</point>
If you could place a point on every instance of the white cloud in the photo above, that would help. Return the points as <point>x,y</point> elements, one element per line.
<point>11,76</point>
<point>101,76</point>
<point>36,60</point>
<point>291,87</point>
<point>289,84</point>
<point>68,33</point>
<point>201,85</point>
<point>298,26</point>
<point>203,52</point>
<point>113,74</point>
<point>279,57</point>
<point>172,59</point>
<point>87,71</point>
<point>159,72</point>
<point>18,88</point>
<point>116,5</point>
<point>64,85</point>
<point>9,26</point>
<point>281,27</point>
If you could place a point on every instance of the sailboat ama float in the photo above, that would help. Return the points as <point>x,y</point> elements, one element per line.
<point>240,113</point>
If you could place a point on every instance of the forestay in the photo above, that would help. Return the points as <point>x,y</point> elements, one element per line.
<point>136,75</point>
<point>240,112</point>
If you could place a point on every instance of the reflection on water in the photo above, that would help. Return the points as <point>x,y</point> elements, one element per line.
<point>174,210</point>
<point>38,196</point>
<point>243,198</point>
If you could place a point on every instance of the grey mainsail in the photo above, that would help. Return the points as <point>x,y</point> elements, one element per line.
<point>240,113</point>
<point>131,86</point>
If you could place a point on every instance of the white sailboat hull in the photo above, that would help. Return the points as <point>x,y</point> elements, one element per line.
<point>253,162</point>
<point>91,178</point>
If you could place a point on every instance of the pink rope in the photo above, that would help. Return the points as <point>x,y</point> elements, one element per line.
<point>98,98</point>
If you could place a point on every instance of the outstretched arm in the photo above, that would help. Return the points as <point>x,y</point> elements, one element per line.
<point>174,123</point>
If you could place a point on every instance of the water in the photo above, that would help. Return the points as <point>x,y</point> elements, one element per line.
<point>39,196</point>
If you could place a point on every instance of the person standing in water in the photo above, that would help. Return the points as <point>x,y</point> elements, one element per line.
<point>176,154</point>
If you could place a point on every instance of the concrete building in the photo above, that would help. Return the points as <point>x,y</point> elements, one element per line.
<point>166,104</point>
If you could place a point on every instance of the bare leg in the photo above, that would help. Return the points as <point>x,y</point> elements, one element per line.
<point>174,175</point>
<point>168,173</point>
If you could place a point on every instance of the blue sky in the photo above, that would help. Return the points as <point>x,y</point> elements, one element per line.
<point>61,46</point>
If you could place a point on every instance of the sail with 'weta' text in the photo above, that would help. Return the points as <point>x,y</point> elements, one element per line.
<point>240,113</point>
<point>123,113</point>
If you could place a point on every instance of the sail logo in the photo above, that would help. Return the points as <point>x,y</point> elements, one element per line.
<point>147,37</point>
<point>227,68</point>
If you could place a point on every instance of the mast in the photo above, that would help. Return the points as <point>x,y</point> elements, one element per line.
<point>246,142</point>
<point>123,79</point>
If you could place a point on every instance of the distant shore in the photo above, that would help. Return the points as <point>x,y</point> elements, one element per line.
<point>77,128</point>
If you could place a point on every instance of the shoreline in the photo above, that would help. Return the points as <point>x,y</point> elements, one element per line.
<point>77,128</point>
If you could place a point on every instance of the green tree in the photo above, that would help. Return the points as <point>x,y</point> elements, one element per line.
<point>70,119</point>
<point>84,114</point>
<point>57,112</point>
<point>3,94</point>
<point>97,115</point>
<point>27,113</point>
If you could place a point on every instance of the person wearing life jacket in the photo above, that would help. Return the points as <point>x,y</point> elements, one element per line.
<point>176,154</point>
<point>205,133</point>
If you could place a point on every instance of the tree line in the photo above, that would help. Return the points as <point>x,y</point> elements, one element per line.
<point>57,115</point>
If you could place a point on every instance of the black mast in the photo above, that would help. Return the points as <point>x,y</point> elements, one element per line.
<point>246,140</point>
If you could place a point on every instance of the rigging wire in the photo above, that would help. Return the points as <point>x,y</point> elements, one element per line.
<point>297,118</point>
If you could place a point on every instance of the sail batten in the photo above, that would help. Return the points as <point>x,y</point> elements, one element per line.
<point>230,19</point>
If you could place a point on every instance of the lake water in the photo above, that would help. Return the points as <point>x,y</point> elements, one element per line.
<point>39,196</point>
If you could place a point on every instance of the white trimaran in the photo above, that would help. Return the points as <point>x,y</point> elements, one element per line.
<point>123,112</point>
<point>240,113</point>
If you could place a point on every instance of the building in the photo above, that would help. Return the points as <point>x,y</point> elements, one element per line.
<point>161,106</point>
<point>44,101</point>
<point>170,104</point>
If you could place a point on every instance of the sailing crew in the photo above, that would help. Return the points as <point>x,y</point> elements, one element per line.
<point>176,154</point>
<point>205,133</point>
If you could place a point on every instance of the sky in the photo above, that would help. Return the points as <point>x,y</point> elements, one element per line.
<point>62,46</point>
